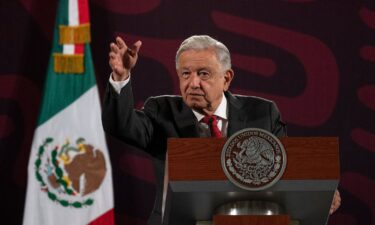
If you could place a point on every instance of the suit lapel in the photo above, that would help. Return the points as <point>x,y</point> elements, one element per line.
<point>236,116</point>
<point>186,122</point>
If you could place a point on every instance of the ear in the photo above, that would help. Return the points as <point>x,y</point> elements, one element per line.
<point>228,77</point>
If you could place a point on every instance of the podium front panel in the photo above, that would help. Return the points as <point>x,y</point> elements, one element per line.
<point>197,185</point>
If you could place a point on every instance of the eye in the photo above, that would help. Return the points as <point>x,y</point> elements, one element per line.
<point>185,74</point>
<point>204,75</point>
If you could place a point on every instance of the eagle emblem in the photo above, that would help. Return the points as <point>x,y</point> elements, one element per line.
<point>253,159</point>
<point>71,172</point>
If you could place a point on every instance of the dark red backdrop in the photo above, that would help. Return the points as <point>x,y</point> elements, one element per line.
<point>316,59</point>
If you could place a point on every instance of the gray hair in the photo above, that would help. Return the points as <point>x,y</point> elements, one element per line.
<point>204,42</point>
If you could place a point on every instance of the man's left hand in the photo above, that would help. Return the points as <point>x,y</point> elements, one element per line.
<point>336,202</point>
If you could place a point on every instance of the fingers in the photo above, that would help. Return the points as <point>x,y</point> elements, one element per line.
<point>336,202</point>
<point>121,47</point>
<point>114,48</point>
<point>120,43</point>
<point>136,46</point>
<point>133,51</point>
<point>122,58</point>
<point>113,60</point>
<point>113,56</point>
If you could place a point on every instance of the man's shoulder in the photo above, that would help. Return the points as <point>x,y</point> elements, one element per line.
<point>166,98</point>
<point>246,99</point>
<point>163,100</point>
<point>164,104</point>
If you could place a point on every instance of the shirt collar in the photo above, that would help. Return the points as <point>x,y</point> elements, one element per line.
<point>221,110</point>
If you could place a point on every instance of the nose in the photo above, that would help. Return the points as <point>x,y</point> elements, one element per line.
<point>194,81</point>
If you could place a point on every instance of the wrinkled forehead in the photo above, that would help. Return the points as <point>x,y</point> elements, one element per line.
<point>198,57</point>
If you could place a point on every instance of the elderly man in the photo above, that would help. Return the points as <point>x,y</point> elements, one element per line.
<point>205,107</point>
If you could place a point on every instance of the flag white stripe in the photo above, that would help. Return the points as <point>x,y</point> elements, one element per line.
<point>68,49</point>
<point>73,13</point>
<point>73,21</point>
<point>80,119</point>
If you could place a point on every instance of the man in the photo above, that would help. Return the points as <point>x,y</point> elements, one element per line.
<point>203,67</point>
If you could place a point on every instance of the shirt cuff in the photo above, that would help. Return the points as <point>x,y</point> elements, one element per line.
<point>118,85</point>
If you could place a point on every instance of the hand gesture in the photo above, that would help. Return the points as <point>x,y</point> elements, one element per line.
<point>123,58</point>
<point>336,202</point>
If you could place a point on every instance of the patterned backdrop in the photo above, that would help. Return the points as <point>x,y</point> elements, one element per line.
<point>316,59</point>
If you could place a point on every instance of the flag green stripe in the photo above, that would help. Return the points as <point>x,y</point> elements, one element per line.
<point>62,15</point>
<point>60,90</point>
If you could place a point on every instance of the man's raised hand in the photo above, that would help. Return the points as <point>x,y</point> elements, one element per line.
<point>123,58</point>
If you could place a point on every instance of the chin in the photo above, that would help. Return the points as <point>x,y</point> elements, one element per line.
<point>195,105</point>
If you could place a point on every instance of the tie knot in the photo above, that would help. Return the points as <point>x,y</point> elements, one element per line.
<point>210,120</point>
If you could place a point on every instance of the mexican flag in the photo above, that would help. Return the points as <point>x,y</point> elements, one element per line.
<point>69,172</point>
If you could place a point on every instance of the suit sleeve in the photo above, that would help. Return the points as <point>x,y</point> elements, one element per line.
<point>277,125</point>
<point>121,120</point>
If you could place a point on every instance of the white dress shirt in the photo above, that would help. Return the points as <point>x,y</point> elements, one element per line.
<point>118,85</point>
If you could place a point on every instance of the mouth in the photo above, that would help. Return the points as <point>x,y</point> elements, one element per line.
<point>196,94</point>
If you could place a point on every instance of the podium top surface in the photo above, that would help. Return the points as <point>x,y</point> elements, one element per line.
<point>309,158</point>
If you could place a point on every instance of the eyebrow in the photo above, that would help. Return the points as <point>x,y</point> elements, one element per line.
<point>198,69</point>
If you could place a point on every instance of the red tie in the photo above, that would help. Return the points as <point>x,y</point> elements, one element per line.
<point>211,121</point>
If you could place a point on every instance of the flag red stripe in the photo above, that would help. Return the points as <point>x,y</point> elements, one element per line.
<point>83,9</point>
<point>83,17</point>
<point>79,48</point>
<point>106,219</point>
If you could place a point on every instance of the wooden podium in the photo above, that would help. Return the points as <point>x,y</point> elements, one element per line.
<point>195,184</point>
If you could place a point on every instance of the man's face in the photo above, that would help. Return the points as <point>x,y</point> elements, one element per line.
<point>202,80</point>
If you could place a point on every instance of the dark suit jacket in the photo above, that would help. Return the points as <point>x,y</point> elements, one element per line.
<point>168,116</point>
